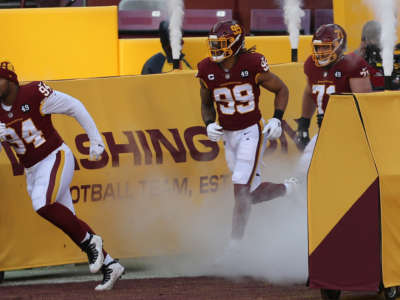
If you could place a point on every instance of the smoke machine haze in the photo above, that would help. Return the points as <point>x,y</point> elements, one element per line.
<point>176,12</point>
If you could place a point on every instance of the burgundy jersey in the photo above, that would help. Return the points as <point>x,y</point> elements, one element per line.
<point>377,78</point>
<point>29,132</point>
<point>235,92</point>
<point>335,78</point>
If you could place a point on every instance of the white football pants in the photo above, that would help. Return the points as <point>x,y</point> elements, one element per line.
<point>244,150</point>
<point>48,181</point>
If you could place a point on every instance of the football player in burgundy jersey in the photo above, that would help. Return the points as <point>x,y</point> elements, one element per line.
<point>25,124</point>
<point>230,80</point>
<point>329,71</point>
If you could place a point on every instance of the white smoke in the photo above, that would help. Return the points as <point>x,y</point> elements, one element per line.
<point>274,247</point>
<point>385,14</point>
<point>176,12</point>
<point>293,14</point>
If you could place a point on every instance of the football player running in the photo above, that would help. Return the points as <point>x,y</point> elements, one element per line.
<point>230,79</point>
<point>328,71</point>
<point>25,124</point>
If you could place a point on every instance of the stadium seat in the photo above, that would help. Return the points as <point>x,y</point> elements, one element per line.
<point>142,5</point>
<point>48,3</point>
<point>272,21</point>
<point>102,2</point>
<point>201,20</point>
<point>137,21</point>
<point>322,16</point>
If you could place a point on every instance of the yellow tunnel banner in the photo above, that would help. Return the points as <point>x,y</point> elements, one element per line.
<point>380,115</point>
<point>353,194</point>
<point>159,171</point>
<point>343,203</point>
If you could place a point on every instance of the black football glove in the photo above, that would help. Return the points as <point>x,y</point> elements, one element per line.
<point>302,135</point>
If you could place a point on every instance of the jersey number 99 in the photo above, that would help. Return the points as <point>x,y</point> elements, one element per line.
<point>238,99</point>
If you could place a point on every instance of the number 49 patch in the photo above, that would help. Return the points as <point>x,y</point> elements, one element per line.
<point>25,108</point>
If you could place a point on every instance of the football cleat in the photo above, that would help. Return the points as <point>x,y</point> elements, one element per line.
<point>290,184</point>
<point>94,250</point>
<point>111,273</point>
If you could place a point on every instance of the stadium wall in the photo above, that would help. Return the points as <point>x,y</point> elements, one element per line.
<point>66,43</point>
<point>352,15</point>
<point>60,43</point>
<point>159,176</point>
<point>135,52</point>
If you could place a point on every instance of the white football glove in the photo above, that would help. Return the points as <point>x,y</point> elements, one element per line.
<point>273,129</point>
<point>214,132</point>
<point>96,150</point>
<point>3,132</point>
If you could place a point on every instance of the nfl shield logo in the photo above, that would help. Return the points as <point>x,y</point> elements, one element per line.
<point>10,115</point>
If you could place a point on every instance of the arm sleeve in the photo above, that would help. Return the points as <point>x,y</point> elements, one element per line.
<point>358,67</point>
<point>199,73</point>
<point>260,64</point>
<point>60,103</point>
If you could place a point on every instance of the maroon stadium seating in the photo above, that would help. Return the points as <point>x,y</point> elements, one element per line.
<point>272,21</point>
<point>201,20</point>
<point>140,20</point>
<point>322,16</point>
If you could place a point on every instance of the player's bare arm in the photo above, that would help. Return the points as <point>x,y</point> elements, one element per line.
<point>360,85</point>
<point>274,84</point>
<point>307,111</point>
<point>207,106</point>
<point>308,105</point>
<point>214,130</point>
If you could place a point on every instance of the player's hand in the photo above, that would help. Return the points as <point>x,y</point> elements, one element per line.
<point>302,134</point>
<point>214,132</point>
<point>302,139</point>
<point>96,150</point>
<point>3,132</point>
<point>273,129</point>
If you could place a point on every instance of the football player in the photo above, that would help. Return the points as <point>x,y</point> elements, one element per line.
<point>230,80</point>
<point>25,124</point>
<point>328,71</point>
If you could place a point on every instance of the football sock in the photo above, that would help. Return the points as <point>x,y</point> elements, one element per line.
<point>107,259</point>
<point>267,191</point>
<point>63,218</point>
<point>87,228</point>
<point>87,236</point>
<point>241,210</point>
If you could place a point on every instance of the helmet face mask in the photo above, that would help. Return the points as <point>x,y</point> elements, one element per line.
<point>329,43</point>
<point>225,40</point>
<point>324,54</point>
